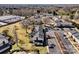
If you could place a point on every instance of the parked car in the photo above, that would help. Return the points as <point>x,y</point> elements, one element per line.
<point>52,45</point>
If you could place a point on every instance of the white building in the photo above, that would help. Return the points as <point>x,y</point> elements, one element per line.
<point>10,19</point>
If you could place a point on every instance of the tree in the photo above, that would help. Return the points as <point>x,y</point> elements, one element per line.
<point>49,12</point>
<point>72,16</point>
<point>21,42</point>
<point>72,12</point>
<point>54,13</point>
<point>10,11</point>
<point>5,32</point>
<point>38,11</point>
<point>76,25</point>
<point>1,12</point>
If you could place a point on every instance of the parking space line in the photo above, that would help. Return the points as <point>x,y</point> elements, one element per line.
<point>58,44</point>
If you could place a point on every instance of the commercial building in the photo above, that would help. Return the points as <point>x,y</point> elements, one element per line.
<point>4,20</point>
<point>64,25</point>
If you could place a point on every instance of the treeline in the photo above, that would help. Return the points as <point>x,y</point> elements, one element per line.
<point>76,25</point>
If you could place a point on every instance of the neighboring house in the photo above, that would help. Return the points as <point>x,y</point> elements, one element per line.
<point>4,43</point>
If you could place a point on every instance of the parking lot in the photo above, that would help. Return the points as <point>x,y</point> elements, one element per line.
<point>64,40</point>
<point>56,49</point>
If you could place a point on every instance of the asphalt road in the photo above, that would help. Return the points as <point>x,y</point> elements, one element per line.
<point>56,49</point>
<point>69,48</point>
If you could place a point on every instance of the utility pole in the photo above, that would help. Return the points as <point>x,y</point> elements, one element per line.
<point>45,42</point>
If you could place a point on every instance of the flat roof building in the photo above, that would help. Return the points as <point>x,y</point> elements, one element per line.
<point>10,19</point>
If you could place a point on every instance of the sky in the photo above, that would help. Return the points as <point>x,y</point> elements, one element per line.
<point>27,5</point>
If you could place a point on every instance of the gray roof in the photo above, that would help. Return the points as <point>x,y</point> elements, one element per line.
<point>3,38</point>
<point>75,33</point>
<point>9,18</point>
